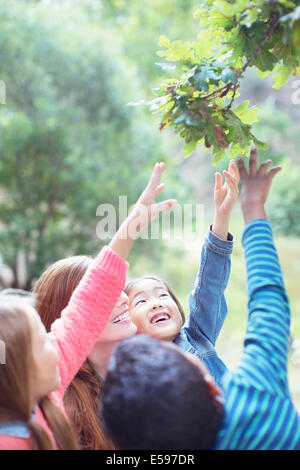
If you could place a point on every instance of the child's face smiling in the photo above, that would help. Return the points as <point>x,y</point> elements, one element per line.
<point>153,310</point>
<point>120,324</point>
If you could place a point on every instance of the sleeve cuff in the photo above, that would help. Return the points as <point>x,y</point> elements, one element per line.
<point>217,244</point>
<point>112,263</point>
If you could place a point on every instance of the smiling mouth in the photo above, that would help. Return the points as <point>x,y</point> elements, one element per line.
<point>160,318</point>
<point>121,317</point>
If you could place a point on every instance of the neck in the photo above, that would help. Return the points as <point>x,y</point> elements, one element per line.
<point>100,356</point>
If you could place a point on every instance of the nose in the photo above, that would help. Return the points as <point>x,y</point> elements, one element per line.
<point>156,303</point>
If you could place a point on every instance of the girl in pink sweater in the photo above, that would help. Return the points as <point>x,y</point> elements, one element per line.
<point>39,366</point>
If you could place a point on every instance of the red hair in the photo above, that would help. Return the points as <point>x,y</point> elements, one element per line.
<point>17,378</point>
<point>54,289</point>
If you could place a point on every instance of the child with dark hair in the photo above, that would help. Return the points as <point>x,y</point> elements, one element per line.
<point>155,309</point>
<point>158,397</point>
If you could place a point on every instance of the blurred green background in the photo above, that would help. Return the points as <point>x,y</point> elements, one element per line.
<point>69,142</point>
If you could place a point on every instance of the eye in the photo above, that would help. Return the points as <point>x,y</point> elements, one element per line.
<point>164,295</point>
<point>139,301</point>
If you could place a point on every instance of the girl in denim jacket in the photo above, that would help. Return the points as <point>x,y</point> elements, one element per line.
<point>155,309</point>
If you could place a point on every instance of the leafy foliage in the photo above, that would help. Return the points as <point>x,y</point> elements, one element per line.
<point>68,141</point>
<point>234,35</point>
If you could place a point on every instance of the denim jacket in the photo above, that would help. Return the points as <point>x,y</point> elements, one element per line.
<point>207,305</point>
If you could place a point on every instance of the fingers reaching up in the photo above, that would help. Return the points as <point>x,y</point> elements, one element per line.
<point>226,193</point>
<point>253,162</point>
<point>256,184</point>
<point>255,172</point>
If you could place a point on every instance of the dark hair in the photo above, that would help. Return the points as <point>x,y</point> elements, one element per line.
<point>131,283</point>
<point>154,398</point>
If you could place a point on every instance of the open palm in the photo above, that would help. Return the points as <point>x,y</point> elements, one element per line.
<point>226,193</point>
<point>146,209</point>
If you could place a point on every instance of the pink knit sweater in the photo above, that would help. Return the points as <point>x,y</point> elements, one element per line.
<point>78,328</point>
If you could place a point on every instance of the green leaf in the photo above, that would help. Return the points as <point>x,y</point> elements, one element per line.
<point>163,41</point>
<point>228,75</point>
<point>241,107</point>
<point>259,143</point>
<point>247,115</point>
<point>235,150</point>
<point>283,74</point>
<point>250,16</point>
<point>265,60</point>
<point>287,3</point>
<point>189,148</point>
<point>200,81</point>
<point>239,131</point>
<point>226,8</point>
<point>204,45</point>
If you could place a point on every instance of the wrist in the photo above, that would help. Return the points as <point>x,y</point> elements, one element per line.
<point>253,211</point>
<point>221,216</point>
<point>128,230</point>
<point>220,225</point>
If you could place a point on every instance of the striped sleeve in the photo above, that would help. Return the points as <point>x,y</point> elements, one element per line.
<point>259,412</point>
<point>264,360</point>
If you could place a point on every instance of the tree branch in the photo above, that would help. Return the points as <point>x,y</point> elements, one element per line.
<point>226,88</point>
<point>229,86</point>
<point>273,25</point>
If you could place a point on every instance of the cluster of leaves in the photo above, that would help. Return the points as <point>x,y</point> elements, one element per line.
<point>233,36</point>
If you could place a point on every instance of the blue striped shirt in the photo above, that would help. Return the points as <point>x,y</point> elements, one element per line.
<point>259,413</point>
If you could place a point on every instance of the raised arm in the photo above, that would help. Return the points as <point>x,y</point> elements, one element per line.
<point>207,302</point>
<point>94,298</point>
<point>264,360</point>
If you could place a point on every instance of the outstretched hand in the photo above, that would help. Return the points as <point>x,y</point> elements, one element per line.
<point>255,187</point>
<point>143,213</point>
<point>146,209</point>
<point>226,194</point>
